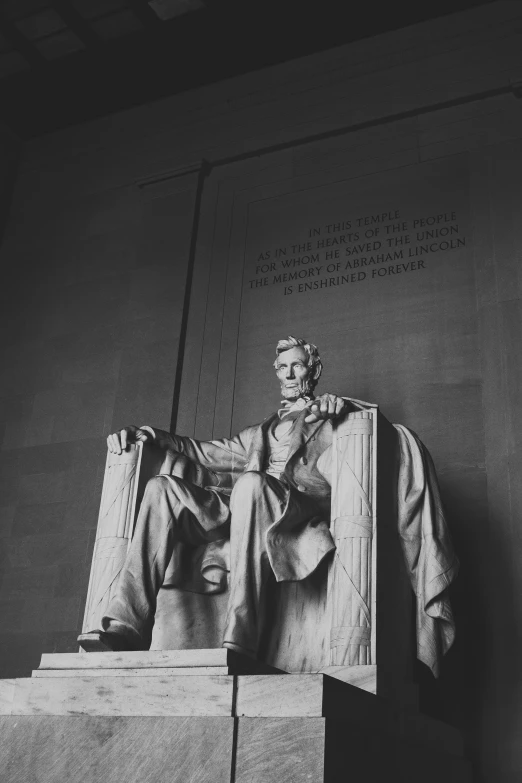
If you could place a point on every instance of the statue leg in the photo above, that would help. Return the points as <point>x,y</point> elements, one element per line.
<point>257,501</point>
<point>172,511</point>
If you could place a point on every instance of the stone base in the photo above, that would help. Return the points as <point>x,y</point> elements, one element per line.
<point>90,749</point>
<point>245,728</point>
<point>96,749</point>
<point>319,750</point>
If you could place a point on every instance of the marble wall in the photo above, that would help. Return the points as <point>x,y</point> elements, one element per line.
<point>110,222</point>
<point>9,157</point>
<point>92,315</point>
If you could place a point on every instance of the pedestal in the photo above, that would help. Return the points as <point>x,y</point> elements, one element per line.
<point>135,717</point>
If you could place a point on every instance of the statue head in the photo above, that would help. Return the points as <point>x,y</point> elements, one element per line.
<point>298,367</point>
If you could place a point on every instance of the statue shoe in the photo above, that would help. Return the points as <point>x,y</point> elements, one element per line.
<point>110,641</point>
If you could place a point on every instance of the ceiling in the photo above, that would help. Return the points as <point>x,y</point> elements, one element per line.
<point>67,61</point>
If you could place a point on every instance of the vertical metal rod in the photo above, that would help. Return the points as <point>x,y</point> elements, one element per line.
<point>202,175</point>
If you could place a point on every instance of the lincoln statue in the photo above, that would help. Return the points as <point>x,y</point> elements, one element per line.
<point>267,491</point>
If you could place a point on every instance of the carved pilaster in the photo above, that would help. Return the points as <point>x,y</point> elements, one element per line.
<point>115,527</point>
<point>369,597</point>
<point>351,582</point>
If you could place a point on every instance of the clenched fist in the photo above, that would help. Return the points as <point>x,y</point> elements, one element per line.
<point>327,406</point>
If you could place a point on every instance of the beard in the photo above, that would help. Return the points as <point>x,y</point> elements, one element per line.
<point>302,388</point>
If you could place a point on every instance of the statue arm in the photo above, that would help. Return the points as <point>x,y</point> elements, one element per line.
<point>225,458</point>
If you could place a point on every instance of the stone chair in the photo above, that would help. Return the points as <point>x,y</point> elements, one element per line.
<point>351,618</point>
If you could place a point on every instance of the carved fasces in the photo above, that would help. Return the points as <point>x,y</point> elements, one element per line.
<point>351,581</point>
<point>115,527</point>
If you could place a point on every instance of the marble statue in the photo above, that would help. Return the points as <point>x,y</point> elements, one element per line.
<point>263,488</point>
<point>267,492</point>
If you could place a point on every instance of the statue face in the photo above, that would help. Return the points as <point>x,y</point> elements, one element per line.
<point>294,373</point>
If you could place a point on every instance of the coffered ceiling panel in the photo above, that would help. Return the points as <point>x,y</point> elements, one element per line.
<point>67,61</point>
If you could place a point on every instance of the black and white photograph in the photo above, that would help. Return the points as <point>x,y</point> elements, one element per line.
<point>260,412</point>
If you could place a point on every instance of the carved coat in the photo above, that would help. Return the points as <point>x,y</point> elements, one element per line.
<point>299,539</point>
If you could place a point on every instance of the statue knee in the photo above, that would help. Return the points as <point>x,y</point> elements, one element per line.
<point>248,484</point>
<point>158,485</point>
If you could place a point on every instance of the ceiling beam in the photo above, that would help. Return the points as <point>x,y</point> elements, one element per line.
<point>145,14</point>
<point>22,44</point>
<point>75,22</point>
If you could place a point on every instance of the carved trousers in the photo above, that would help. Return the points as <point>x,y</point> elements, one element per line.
<point>175,511</point>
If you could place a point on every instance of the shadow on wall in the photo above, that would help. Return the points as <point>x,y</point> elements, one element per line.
<point>9,157</point>
<point>466,689</point>
<point>19,652</point>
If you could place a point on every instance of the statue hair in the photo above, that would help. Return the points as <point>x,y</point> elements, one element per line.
<point>314,360</point>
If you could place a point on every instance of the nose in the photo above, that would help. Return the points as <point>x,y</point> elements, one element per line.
<point>289,372</point>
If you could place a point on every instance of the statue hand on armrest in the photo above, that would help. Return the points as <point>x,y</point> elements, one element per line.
<point>118,441</point>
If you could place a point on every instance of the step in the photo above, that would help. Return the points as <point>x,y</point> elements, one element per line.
<point>299,695</point>
<point>166,663</point>
<point>200,695</point>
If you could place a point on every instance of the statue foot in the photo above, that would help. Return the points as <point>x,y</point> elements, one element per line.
<point>240,650</point>
<point>108,641</point>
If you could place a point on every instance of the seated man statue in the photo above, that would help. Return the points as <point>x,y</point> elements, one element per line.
<point>268,490</point>
<point>262,488</point>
